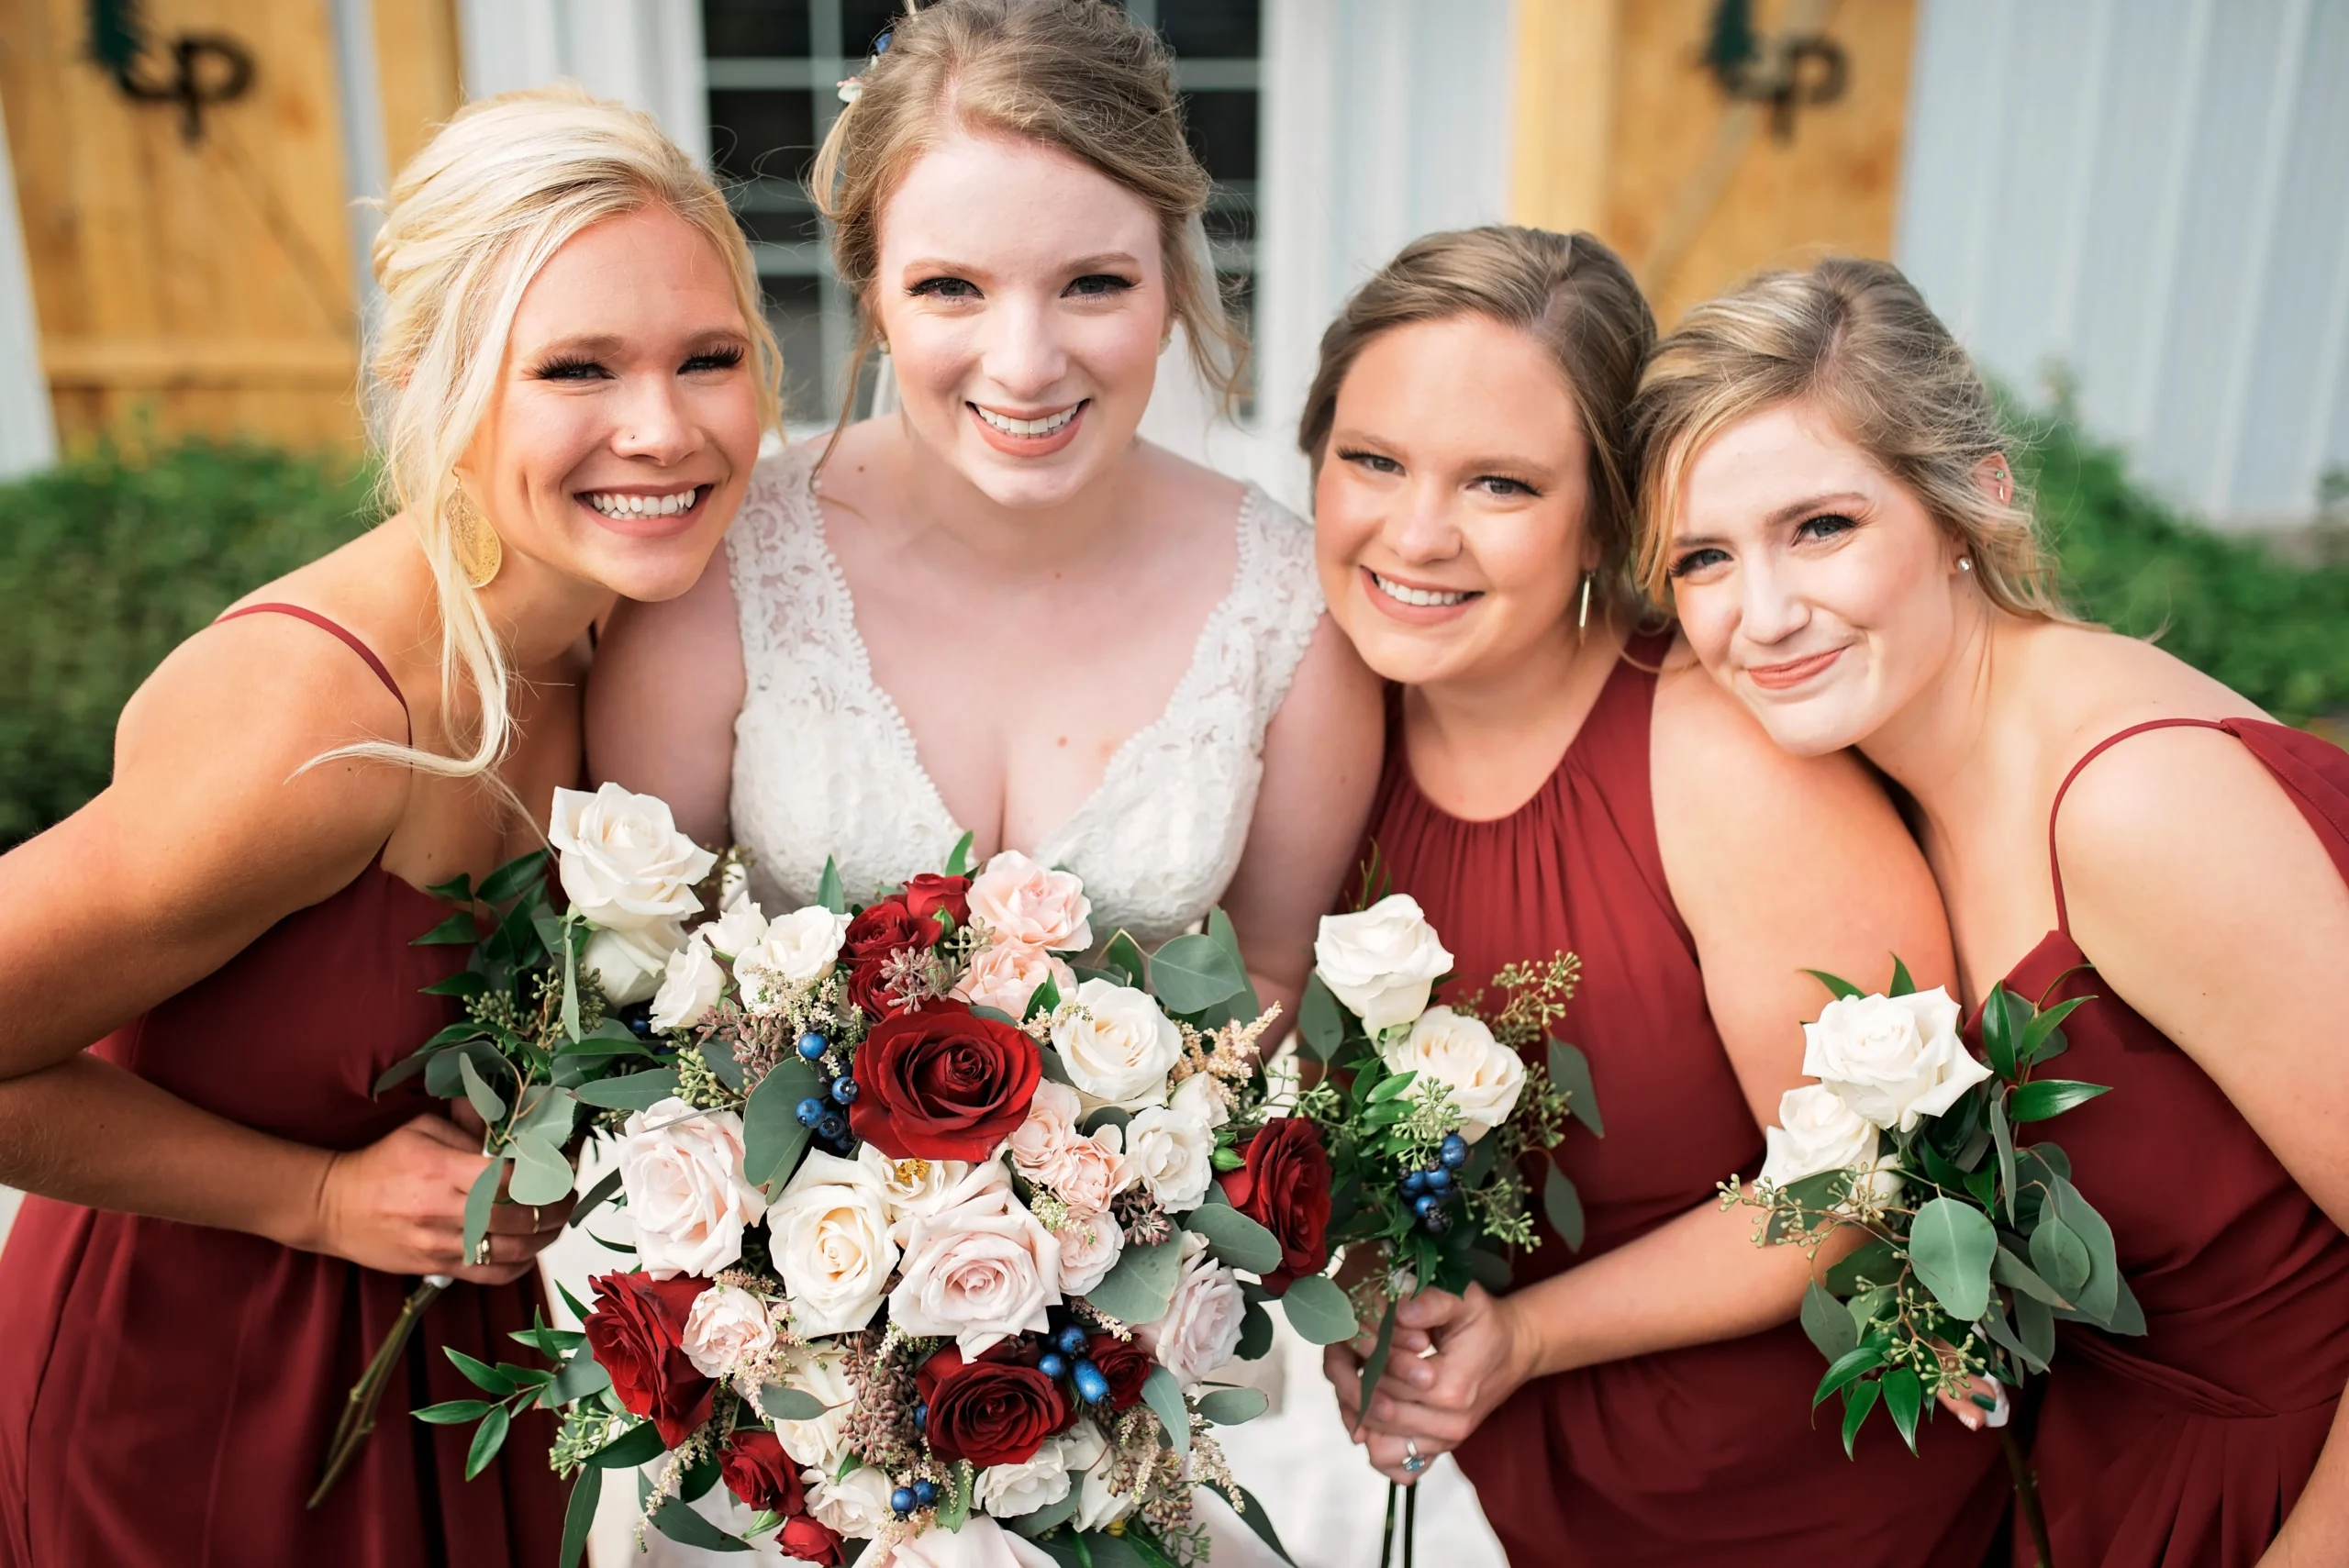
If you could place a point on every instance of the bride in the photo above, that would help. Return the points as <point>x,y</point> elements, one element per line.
<point>998,610</point>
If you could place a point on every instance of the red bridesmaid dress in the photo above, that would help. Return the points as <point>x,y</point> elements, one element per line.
<point>1707,1455</point>
<point>2187,1446</point>
<point>168,1390</point>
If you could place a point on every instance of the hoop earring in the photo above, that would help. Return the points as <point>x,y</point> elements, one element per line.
<point>1582,620</point>
<point>480,553</point>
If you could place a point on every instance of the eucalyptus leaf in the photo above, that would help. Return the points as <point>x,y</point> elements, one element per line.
<point>2060,1257</point>
<point>2016,1274</point>
<point>1051,1516</point>
<point>1191,973</point>
<point>478,1199</point>
<point>548,1113</point>
<point>1950,1247</point>
<point>1124,953</point>
<point>542,1174</point>
<point>1254,1516</point>
<point>1043,999</point>
<point>1234,1239</point>
<point>1373,1367</point>
<point>1318,1310</point>
<point>1140,1286</point>
<point>954,1508</point>
<point>581,1376</point>
<point>1320,1023</point>
<point>1165,1397</point>
<point>1570,1071</point>
<point>1994,1323</point>
<point>786,1403</point>
<point>773,1137</point>
<point>2003,1136</point>
<point>1491,1269</point>
<point>1107,1115</point>
<point>486,1102</point>
<point>637,1446</point>
<point>2098,1297</point>
<point>630,1091</point>
<point>1227,936</point>
<point>1233,1407</point>
<point>1828,1324</point>
<point>719,1055</point>
<point>686,1528</point>
<point>2127,1317</point>
<point>2035,1326</point>
<point>1255,1333</point>
<point>1563,1205</point>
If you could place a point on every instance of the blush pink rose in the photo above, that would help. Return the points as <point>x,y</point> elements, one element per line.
<point>1004,975</point>
<point>1032,905</point>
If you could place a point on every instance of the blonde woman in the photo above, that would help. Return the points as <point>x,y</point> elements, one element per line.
<point>1828,502</point>
<point>221,1211</point>
<point>998,610</point>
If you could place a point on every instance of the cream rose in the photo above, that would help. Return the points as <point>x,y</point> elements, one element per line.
<point>1100,1505</point>
<point>856,1505</point>
<point>690,989</point>
<point>1459,1052</point>
<point>1021,901</point>
<point>1201,1328</point>
<point>797,951</point>
<point>631,965</point>
<point>1892,1059</point>
<point>1204,1095</point>
<point>623,863</point>
<point>823,1441</point>
<point>682,1170</point>
<point>1170,1153</point>
<point>913,1188</point>
<point>1816,1131</point>
<point>1089,1249</point>
<point>1382,962</point>
<point>1117,1044</point>
<point>829,1235</point>
<point>980,1542</point>
<point>1004,975</point>
<point>1008,1491</point>
<point>738,928</point>
<point>981,1270</point>
<point>726,1325</point>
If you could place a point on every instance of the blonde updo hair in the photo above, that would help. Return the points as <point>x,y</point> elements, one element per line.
<point>1854,338</point>
<point>468,224</point>
<point>1571,295</point>
<point>1079,76</point>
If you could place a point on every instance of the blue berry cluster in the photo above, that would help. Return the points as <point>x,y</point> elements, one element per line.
<point>1067,1358</point>
<point>1430,1192</point>
<point>826,1115</point>
<point>923,1494</point>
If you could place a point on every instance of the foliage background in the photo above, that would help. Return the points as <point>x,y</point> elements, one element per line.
<point>110,559</point>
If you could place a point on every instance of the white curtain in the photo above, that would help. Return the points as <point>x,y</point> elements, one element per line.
<point>27,432</point>
<point>644,52</point>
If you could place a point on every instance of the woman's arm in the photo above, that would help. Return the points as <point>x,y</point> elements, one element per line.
<point>667,683</point>
<point>1776,864</point>
<point>1321,759</point>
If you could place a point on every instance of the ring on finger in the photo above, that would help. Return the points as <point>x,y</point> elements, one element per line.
<point>1413,1459</point>
<point>534,1216</point>
<point>481,1252</point>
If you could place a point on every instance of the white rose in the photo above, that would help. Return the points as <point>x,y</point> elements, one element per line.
<point>1172,1154</point>
<point>1816,1131</point>
<point>857,1504</point>
<point>979,1544</point>
<point>1007,1491</point>
<point>1201,1328</point>
<point>1005,977</point>
<point>799,950</point>
<point>1204,1095</point>
<point>690,989</point>
<point>981,1270</point>
<point>821,1442</point>
<point>1089,1249</point>
<point>1117,1044</point>
<point>737,929</point>
<point>829,1236</point>
<point>1459,1052</point>
<point>726,1325</point>
<point>1021,901</point>
<point>623,863</point>
<point>913,1188</point>
<point>1892,1059</point>
<point>682,1170</point>
<point>1382,962</point>
<point>1100,1505</point>
<point>631,964</point>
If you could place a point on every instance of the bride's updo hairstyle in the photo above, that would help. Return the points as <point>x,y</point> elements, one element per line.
<point>467,226</point>
<point>1079,76</point>
<point>1567,292</point>
<point>1855,340</point>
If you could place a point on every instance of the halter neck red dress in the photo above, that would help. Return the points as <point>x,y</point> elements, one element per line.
<point>2187,1446</point>
<point>1694,1457</point>
<point>167,1390</point>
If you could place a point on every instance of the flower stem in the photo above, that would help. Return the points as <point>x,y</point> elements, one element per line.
<point>359,1406</point>
<point>2027,1498</point>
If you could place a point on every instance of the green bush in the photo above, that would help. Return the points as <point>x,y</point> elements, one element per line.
<point>110,559</point>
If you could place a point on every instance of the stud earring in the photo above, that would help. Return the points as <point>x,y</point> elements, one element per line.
<point>883,345</point>
<point>480,553</point>
<point>1582,619</point>
<point>1965,563</point>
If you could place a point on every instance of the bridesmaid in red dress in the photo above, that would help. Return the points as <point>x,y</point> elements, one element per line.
<point>1827,498</point>
<point>1646,1399</point>
<point>222,1214</point>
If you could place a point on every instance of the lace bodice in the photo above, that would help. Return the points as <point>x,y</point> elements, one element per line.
<point>823,764</point>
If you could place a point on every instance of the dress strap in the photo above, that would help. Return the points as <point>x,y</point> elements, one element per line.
<point>350,640</point>
<point>2055,869</point>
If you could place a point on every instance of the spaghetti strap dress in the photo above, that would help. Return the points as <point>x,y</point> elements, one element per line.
<point>2190,1444</point>
<point>1706,1455</point>
<point>167,1390</point>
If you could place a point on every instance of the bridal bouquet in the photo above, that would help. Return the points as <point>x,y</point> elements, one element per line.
<point>941,1233</point>
<point>1974,1245</point>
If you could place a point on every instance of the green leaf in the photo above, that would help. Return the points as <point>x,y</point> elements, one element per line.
<point>1317,1309</point>
<point>1191,973</point>
<point>2016,1274</point>
<point>1999,1031</point>
<point>514,877</point>
<point>464,983</point>
<point>1563,1205</point>
<point>542,1174</point>
<point>401,1072</point>
<point>2044,1097</point>
<point>2127,1317</point>
<point>1491,1269</point>
<point>1255,1333</point>
<point>719,1055</point>
<point>773,1137</point>
<point>786,1404</point>
<point>954,1508</point>
<point>1141,1284</point>
<point>487,1439</point>
<point>829,892</point>
<point>1950,1247</point>
<point>597,1196</point>
<point>1904,1396</point>
<point>958,862</point>
<point>1165,1397</point>
<point>1227,936</point>
<point>1864,1358</point>
<point>1828,1324</point>
<point>579,1517</point>
<point>455,1412</point>
<point>458,889</point>
<point>1858,1400</point>
<point>1994,1323</point>
<point>2098,1297</point>
<point>630,1091</point>
<point>1389,1088</point>
<point>1321,1022</point>
<point>1374,1366</point>
<point>2060,1257</point>
<point>570,982</point>
<point>1051,1516</point>
<point>1124,953</point>
<point>1232,1406</point>
<point>2043,1029</point>
<point>1235,1238</point>
<point>2003,1136</point>
<point>1043,999</point>
<point>478,1199</point>
<point>581,1376</point>
<point>2035,1326</point>
<point>480,1373</point>
<point>1254,1516</point>
<point>1839,987</point>
<point>458,930</point>
<point>638,1445</point>
<point>1901,984</point>
<point>1570,1071</point>
<point>686,1528</point>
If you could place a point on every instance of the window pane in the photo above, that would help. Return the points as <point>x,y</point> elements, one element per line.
<point>1223,132</point>
<point>730,27</point>
<point>754,134</point>
<point>795,310</point>
<point>1211,29</point>
<point>861,21</point>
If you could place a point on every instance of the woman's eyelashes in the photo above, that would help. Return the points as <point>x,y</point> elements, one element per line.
<point>1092,285</point>
<point>1099,285</point>
<point>1824,526</point>
<point>1502,485</point>
<point>1376,462</point>
<point>1689,563</point>
<point>944,288</point>
<point>724,358</point>
<point>572,367</point>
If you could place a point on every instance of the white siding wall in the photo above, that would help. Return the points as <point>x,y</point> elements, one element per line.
<point>645,53</point>
<point>2153,193</point>
<point>27,432</point>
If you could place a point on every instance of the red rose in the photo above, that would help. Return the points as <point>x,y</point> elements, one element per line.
<point>1285,1187</point>
<point>635,1331</point>
<point>1125,1363</point>
<point>990,1411</point>
<point>809,1539</point>
<point>942,1083</point>
<point>928,893</point>
<point>756,1470</point>
<point>877,934</point>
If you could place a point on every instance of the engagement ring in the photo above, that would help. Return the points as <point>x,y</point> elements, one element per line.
<point>1413,1459</point>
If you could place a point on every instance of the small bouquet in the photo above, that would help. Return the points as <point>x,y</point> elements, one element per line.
<point>1974,1245</point>
<point>939,1227</point>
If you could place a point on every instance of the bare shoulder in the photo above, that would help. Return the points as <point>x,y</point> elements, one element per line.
<point>2171,807</point>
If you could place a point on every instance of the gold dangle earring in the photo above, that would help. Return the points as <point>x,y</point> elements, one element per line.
<point>479,551</point>
<point>1582,620</point>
